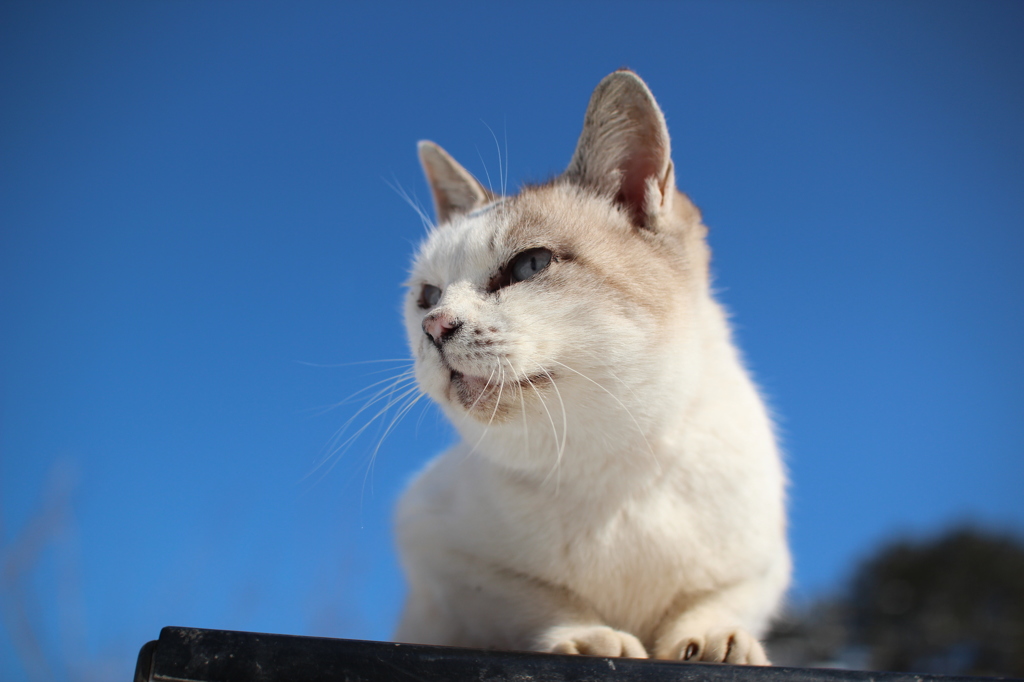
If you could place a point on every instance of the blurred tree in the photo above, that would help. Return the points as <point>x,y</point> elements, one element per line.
<point>952,605</point>
<point>812,635</point>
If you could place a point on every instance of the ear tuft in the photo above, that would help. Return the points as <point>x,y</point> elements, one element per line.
<point>624,150</point>
<point>455,189</point>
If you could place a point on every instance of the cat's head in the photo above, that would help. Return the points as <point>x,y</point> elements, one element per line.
<point>572,308</point>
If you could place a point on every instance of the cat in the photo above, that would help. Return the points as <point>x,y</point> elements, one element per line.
<point>618,490</point>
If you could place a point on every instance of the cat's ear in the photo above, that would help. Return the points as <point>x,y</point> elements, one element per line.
<point>623,151</point>
<point>455,189</point>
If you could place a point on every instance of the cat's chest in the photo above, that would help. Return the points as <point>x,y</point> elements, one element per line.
<point>628,555</point>
<point>647,535</point>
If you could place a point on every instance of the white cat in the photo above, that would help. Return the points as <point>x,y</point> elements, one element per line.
<point>618,491</point>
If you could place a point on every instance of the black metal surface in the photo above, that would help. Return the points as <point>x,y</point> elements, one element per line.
<point>193,655</point>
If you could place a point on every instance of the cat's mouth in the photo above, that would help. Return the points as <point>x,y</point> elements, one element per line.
<point>470,383</point>
<point>494,394</point>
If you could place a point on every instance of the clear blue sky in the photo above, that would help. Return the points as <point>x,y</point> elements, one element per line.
<point>198,229</point>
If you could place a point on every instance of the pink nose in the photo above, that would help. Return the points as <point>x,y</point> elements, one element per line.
<point>439,326</point>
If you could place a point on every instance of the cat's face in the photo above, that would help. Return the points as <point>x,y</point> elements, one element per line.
<point>562,303</point>
<point>531,290</point>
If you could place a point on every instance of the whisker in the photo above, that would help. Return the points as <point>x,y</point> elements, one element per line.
<point>522,400</point>
<point>410,373</point>
<point>484,164</point>
<point>350,364</point>
<point>407,391</point>
<point>337,447</point>
<point>479,396</point>
<point>502,176</point>
<point>402,411</point>
<point>622,405</point>
<point>554,431</point>
<point>377,397</point>
<point>504,130</point>
<point>428,224</point>
<point>565,417</point>
<point>501,385</point>
<point>423,413</point>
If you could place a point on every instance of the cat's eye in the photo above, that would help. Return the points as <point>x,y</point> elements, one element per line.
<point>429,296</point>
<point>529,263</point>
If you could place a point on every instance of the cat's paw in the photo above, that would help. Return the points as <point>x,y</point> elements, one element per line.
<point>592,640</point>
<point>720,645</point>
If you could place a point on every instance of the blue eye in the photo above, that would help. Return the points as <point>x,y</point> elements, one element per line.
<point>429,296</point>
<point>529,263</point>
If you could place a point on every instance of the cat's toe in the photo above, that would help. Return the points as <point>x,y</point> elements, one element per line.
<point>592,640</point>
<point>722,645</point>
<point>733,645</point>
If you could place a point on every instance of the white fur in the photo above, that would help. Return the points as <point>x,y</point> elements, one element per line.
<point>629,503</point>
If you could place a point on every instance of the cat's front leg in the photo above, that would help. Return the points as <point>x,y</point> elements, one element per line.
<point>591,640</point>
<point>458,599</point>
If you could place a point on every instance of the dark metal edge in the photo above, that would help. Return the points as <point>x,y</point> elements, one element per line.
<point>151,661</point>
<point>144,664</point>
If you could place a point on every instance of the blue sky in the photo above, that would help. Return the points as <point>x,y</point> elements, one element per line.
<point>199,233</point>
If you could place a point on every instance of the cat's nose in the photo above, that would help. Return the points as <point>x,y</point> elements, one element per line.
<point>440,326</point>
